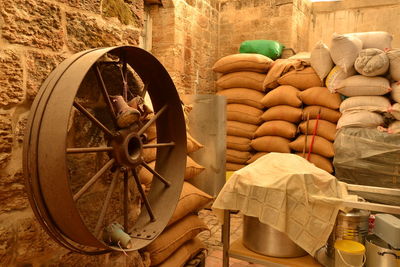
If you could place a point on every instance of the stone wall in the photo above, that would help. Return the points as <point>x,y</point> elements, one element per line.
<point>36,35</point>
<point>185,40</point>
<point>354,16</point>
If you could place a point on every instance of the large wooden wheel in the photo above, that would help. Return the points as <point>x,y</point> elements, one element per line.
<point>81,169</point>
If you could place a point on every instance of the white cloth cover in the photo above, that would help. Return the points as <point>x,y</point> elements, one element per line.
<point>289,194</point>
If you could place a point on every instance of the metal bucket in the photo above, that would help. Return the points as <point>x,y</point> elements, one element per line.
<point>264,239</point>
<point>379,253</point>
<point>349,226</point>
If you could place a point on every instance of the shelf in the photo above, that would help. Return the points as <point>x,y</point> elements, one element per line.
<point>239,251</point>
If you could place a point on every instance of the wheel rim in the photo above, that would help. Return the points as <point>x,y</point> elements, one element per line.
<point>46,154</point>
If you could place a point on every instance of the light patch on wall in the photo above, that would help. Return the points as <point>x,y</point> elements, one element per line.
<point>325,0</point>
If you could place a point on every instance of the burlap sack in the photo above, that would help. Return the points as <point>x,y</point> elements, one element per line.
<point>173,237</point>
<point>360,118</point>
<point>325,113</point>
<point>243,96</point>
<point>319,161</point>
<point>394,127</point>
<point>395,94</point>
<point>192,168</point>
<point>379,39</point>
<point>243,113</point>
<point>301,79</point>
<point>325,129</point>
<point>242,79</point>
<point>241,129</point>
<point>321,146</point>
<point>359,85</point>
<point>394,60</point>
<point>372,62</point>
<point>336,76</point>
<point>344,50</point>
<point>233,166</point>
<point>321,60</point>
<point>238,143</point>
<point>191,200</point>
<point>192,144</point>
<point>320,96</point>
<point>237,156</point>
<point>242,62</point>
<point>256,157</point>
<point>271,144</point>
<point>371,103</point>
<point>184,253</point>
<point>278,128</point>
<point>282,95</point>
<point>282,112</point>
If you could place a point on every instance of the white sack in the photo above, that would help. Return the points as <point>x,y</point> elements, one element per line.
<point>381,40</point>
<point>360,118</point>
<point>370,103</point>
<point>372,62</point>
<point>359,85</point>
<point>321,60</point>
<point>344,50</point>
<point>394,59</point>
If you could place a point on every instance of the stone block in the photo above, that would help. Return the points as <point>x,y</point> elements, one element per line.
<point>89,5</point>
<point>123,11</point>
<point>11,78</point>
<point>39,66</point>
<point>87,32</point>
<point>12,192</point>
<point>34,23</point>
<point>131,36</point>
<point>6,139</point>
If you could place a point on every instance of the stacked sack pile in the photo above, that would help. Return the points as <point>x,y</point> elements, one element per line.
<point>296,85</point>
<point>366,71</point>
<point>178,242</point>
<point>242,85</point>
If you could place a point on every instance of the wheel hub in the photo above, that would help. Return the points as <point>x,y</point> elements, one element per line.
<point>128,149</point>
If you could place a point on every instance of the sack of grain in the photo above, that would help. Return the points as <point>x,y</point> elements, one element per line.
<point>237,156</point>
<point>244,96</point>
<point>321,60</point>
<point>335,76</point>
<point>325,129</point>
<point>370,103</point>
<point>394,127</point>
<point>324,113</point>
<point>372,62</point>
<point>240,129</point>
<point>282,95</point>
<point>321,146</point>
<point>360,118</point>
<point>359,85</point>
<point>319,161</point>
<point>238,143</point>
<point>395,94</point>
<point>344,50</point>
<point>243,62</point>
<point>381,40</point>
<point>282,112</point>
<point>271,144</point>
<point>256,157</point>
<point>394,62</point>
<point>277,128</point>
<point>395,111</point>
<point>233,166</point>
<point>320,96</point>
<point>243,113</point>
<point>301,79</point>
<point>242,79</point>
<point>270,48</point>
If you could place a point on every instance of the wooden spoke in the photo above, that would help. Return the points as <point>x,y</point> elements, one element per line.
<point>106,203</point>
<point>158,145</point>
<point>150,122</point>
<point>125,78</point>
<point>126,200</point>
<point>75,150</point>
<point>145,200</point>
<point>94,178</point>
<point>92,118</point>
<point>106,96</point>
<point>156,174</point>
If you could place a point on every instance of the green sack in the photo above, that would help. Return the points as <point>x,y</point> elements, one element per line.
<point>269,48</point>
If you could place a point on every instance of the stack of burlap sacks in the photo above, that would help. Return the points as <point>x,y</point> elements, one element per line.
<point>242,85</point>
<point>367,75</point>
<point>299,106</point>
<point>178,242</point>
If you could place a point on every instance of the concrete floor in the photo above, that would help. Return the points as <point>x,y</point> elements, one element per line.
<point>213,239</point>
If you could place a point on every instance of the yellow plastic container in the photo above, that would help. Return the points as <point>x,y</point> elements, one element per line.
<point>349,253</point>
